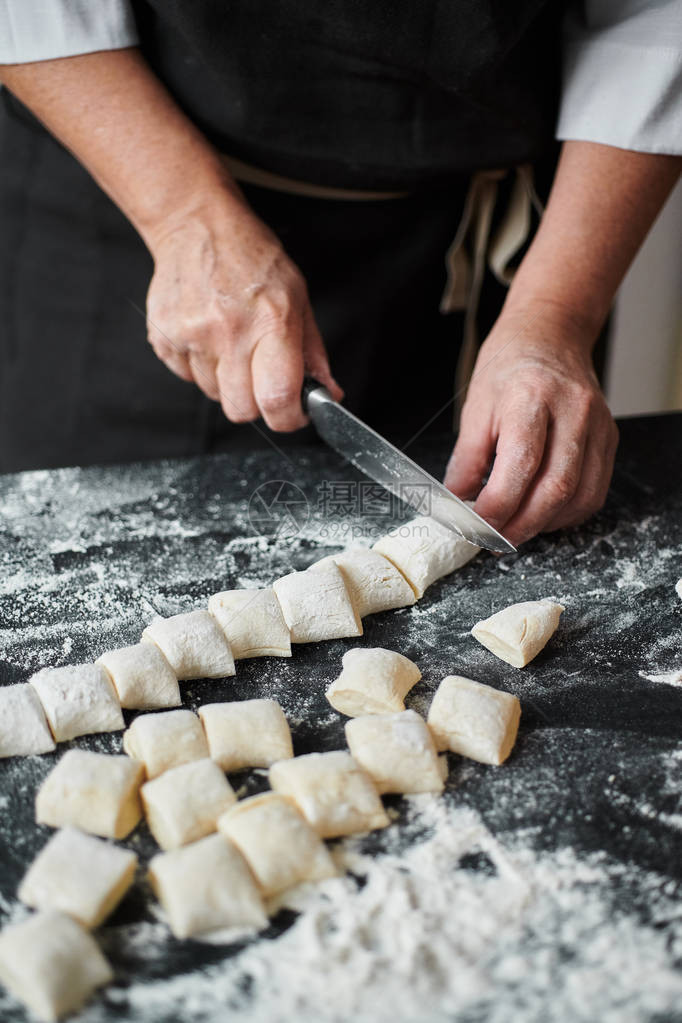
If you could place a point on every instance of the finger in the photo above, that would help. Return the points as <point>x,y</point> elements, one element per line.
<point>204,372</point>
<point>235,386</point>
<point>277,377</point>
<point>554,486</point>
<point>315,357</point>
<point>595,480</point>
<point>472,455</point>
<point>520,450</point>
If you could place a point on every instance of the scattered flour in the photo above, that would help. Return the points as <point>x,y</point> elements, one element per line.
<point>668,678</point>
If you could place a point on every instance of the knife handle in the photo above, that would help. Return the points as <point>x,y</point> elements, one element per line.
<point>310,384</point>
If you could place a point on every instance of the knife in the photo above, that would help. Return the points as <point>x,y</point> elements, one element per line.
<point>387,465</point>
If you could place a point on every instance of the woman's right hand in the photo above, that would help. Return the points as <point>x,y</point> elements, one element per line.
<point>229,310</point>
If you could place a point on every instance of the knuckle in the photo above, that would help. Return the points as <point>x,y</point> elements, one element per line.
<point>559,489</point>
<point>277,401</point>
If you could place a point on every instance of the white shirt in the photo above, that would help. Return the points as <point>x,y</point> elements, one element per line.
<point>622,68</point>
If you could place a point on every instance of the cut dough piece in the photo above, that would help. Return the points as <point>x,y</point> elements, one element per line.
<point>316,605</point>
<point>79,875</point>
<point>23,726</point>
<point>51,964</point>
<point>518,633</point>
<point>424,550</point>
<point>474,720</point>
<point>78,700</point>
<point>183,804</point>
<point>397,751</point>
<point>278,844</point>
<point>165,740</point>
<point>372,681</point>
<point>374,583</point>
<point>193,644</point>
<point>332,792</point>
<point>247,733</point>
<point>253,622</point>
<point>142,677</point>
<point>206,886</point>
<point>92,791</point>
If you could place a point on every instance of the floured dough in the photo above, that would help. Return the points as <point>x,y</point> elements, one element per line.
<point>23,726</point>
<point>332,792</point>
<point>246,733</point>
<point>142,677</point>
<point>79,875</point>
<point>183,804</point>
<point>424,550</point>
<point>374,583</point>
<point>474,720</point>
<point>373,681</point>
<point>193,644</point>
<point>276,841</point>
<point>397,751</point>
<point>78,700</point>
<point>51,964</point>
<point>518,633</point>
<point>165,740</point>
<point>316,605</point>
<point>206,886</point>
<point>92,791</point>
<point>253,622</point>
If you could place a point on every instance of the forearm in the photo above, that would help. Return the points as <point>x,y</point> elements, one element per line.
<point>115,116</point>
<point>602,204</point>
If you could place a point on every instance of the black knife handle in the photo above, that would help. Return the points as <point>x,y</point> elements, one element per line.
<point>310,384</point>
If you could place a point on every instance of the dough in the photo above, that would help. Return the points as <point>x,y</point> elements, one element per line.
<point>78,700</point>
<point>316,605</point>
<point>23,727</point>
<point>334,795</point>
<point>205,887</point>
<point>193,644</point>
<point>183,804</point>
<point>474,720</point>
<point>92,791</point>
<point>372,681</point>
<point>253,622</point>
<point>278,844</point>
<point>397,751</point>
<point>373,582</point>
<point>518,633</point>
<point>165,740</point>
<point>248,733</point>
<point>79,875</point>
<point>424,550</point>
<point>51,964</point>
<point>142,677</point>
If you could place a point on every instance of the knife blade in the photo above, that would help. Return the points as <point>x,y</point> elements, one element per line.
<point>377,458</point>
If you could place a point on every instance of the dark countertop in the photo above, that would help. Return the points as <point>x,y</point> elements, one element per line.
<point>88,556</point>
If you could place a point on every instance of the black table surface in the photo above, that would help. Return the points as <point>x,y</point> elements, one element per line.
<point>88,556</point>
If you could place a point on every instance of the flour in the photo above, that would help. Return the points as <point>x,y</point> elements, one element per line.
<point>678,588</point>
<point>667,678</point>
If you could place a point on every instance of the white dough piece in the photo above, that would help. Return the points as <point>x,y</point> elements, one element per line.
<point>276,841</point>
<point>424,550</point>
<point>374,583</point>
<point>184,804</point>
<point>316,605</point>
<point>372,681</point>
<point>474,720</point>
<point>165,740</point>
<point>142,677</point>
<point>253,622</point>
<point>246,733</point>
<point>518,633</point>
<point>193,644</point>
<point>23,726</point>
<point>332,792</point>
<point>79,875</point>
<point>51,964</point>
<point>206,886</point>
<point>95,792</point>
<point>678,588</point>
<point>78,700</point>
<point>397,751</point>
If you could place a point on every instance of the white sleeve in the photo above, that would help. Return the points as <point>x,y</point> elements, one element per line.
<point>45,29</point>
<point>622,75</point>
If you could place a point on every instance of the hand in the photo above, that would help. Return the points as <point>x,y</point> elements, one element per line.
<point>535,407</point>
<point>228,310</point>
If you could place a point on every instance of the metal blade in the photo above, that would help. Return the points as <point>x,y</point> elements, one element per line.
<point>387,465</point>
